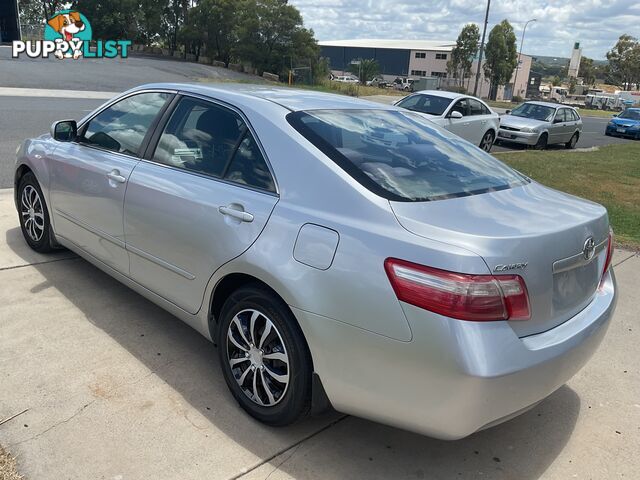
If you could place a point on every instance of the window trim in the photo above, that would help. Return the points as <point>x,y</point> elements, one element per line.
<point>82,126</point>
<point>155,139</point>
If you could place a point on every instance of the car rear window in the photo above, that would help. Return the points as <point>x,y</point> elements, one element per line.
<point>401,156</point>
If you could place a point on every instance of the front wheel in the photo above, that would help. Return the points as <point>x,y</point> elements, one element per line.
<point>541,144</point>
<point>34,217</point>
<point>571,144</point>
<point>264,356</point>
<point>487,141</point>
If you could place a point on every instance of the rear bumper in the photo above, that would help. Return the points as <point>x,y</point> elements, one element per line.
<point>454,377</point>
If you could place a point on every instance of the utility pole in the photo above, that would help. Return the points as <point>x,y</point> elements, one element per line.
<point>484,33</point>
<point>515,77</point>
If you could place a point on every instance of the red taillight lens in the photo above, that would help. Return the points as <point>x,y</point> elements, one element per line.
<point>607,262</point>
<point>458,295</point>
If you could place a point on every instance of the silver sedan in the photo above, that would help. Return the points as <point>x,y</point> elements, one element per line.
<point>538,124</point>
<point>338,252</point>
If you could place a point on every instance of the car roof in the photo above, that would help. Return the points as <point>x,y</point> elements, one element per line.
<point>291,99</point>
<point>442,93</point>
<point>550,104</point>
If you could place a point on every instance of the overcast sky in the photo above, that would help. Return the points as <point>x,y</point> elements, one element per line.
<point>597,24</point>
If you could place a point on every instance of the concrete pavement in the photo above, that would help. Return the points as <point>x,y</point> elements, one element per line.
<point>116,388</point>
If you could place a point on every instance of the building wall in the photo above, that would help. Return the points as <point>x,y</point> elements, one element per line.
<point>391,61</point>
<point>507,91</point>
<point>432,65</point>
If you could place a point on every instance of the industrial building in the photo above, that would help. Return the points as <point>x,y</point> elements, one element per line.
<point>417,58</point>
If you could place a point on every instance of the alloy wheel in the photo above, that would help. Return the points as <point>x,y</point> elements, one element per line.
<point>32,213</point>
<point>487,142</point>
<point>258,357</point>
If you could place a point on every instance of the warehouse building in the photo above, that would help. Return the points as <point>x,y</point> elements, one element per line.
<point>417,58</point>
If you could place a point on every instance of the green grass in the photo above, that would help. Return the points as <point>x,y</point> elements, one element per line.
<point>609,175</point>
<point>585,112</point>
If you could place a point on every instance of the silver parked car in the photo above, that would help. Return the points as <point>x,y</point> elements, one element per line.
<point>467,117</point>
<point>338,252</point>
<point>538,124</point>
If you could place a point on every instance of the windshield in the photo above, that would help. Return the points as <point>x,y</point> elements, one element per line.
<point>630,114</point>
<point>431,104</point>
<point>532,110</point>
<point>401,156</point>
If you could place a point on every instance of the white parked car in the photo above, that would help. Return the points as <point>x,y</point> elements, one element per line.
<point>466,116</point>
<point>346,79</point>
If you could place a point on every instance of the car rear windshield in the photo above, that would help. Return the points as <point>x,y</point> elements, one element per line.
<point>401,156</point>
<point>532,110</point>
<point>423,103</point>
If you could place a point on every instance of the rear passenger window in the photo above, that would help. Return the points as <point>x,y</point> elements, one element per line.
<point>476,108</point>
<point>210,139</point>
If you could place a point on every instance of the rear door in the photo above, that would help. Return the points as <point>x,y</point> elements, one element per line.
<point>199,199</point>
<point>89,177</point>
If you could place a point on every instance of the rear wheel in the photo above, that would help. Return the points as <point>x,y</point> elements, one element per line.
<point>541,144</point>
<point>487,141</point>
<point>571,144</point>
<point>264,356</point>
<point>34,218</point>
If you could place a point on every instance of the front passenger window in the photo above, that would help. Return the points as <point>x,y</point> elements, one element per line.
<point>122,127</point>
<point>460,106</point>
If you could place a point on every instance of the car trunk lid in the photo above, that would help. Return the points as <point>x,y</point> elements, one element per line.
<point>532,231</point>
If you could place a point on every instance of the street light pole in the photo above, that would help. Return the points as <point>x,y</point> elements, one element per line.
<point>484,32</point>
<point>515,78</point>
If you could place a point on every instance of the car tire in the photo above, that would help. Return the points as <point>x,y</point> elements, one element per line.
<point>487,141</point>
<point>269,376</point>
<point>542,142</point>
<point>33,215</point>
<point>571,144</point>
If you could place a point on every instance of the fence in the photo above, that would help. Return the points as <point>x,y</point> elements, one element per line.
<point>32,32</point>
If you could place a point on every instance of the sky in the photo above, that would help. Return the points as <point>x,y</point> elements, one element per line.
<point>596,24</point>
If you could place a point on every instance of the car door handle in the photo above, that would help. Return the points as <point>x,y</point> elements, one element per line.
<point>115,176</point>
<point>235,213</point>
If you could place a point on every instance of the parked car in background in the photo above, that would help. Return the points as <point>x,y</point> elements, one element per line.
<point>538,124</point>
<point>405,84</point>
<point>466,116</point>
<point>379,82</point>
<point>346,79</point>
<point>626,124</point>
<point>338,252</point>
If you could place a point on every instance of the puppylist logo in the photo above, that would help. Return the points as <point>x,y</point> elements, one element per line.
<point>68,35</point>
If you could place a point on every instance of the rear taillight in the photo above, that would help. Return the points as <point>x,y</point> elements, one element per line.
<point>607,261</point>
<point>458,295</point>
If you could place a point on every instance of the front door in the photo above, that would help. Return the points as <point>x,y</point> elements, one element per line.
<point>89,177</point>
<point>460,126</point>
<point>200,200</point>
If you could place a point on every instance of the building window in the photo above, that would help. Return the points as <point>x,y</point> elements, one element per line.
<point>419,73</point>
<point>439,74</point>
<point>421,54</point>
<point>441,56</point>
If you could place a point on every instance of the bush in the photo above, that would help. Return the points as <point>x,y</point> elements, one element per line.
<point>517,99</point>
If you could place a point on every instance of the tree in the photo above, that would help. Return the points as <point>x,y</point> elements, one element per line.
<point>215,20</point>
<point>501,56</point>
<point>572,85</point>
<point>587,71</point>
<point>467,44</point>
<point>624,62</point>
<point>557,81</point>
<point>365,70</point>
<point>271,36</point>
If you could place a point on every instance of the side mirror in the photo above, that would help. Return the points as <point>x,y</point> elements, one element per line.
<point>615,114</point>
<point>557,120</point>
<point>507,112</point>
<point>64,130</point>
<point>455,114</point>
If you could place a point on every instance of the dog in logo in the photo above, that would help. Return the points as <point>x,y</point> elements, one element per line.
<point>67,25</point>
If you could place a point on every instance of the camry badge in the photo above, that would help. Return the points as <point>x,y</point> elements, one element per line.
<point>589,248</point>
<point>510,266</point>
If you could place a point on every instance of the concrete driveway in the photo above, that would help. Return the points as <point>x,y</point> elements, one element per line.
<point>118,389</point>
